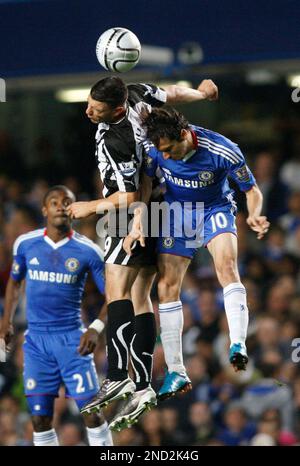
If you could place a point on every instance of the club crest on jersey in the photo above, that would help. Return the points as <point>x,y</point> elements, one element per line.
<point>72,264</point>
<point>30,384</point>
<point>206,176</point>
<point>168,242</point>
<point>15,267</point>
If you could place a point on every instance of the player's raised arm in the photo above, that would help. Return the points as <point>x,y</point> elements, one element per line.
<point>207,90</point>
<point>244,178</point>
<point>12,295</point>
<point>255,220</point>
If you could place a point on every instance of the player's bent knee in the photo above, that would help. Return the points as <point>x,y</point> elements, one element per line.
<point>41,423</point>
<point>142,306</point>
<point>168,290</point>
<point>117,296</point>
<point>227,271</point>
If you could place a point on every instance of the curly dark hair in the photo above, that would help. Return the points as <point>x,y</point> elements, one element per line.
<point>164,123</point>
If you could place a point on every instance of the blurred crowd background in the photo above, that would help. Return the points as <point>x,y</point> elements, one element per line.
<point>252,53</point>
<point>259,406</point>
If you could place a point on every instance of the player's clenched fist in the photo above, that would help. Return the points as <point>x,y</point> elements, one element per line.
<point>88,342</point>
<point>259,224</point>
<point>209,88</point>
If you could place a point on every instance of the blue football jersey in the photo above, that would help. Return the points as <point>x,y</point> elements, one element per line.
<point>202,176</point>
<point>55,276</point>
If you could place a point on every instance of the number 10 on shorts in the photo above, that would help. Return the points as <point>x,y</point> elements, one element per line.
<point>218,221</point>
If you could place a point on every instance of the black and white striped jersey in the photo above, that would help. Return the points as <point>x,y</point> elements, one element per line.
<point>119,147</point>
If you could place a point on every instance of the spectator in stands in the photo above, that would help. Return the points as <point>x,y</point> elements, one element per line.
<point>273,190</point>
<point>237,430</point>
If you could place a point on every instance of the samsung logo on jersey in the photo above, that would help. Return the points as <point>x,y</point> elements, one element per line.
<point>52,277</point>
<point>194,184</point>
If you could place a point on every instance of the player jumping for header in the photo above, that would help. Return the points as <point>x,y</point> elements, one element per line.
<point>131,329</point>
<point>195,163</point>
<point>55,262</point>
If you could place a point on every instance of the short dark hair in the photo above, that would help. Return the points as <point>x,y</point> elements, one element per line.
<point>57,187</point>
<point>164,123</point>
<point>111,90</point>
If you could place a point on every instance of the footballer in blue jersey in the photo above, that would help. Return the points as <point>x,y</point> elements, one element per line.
<point>196,163</point>
<point>54,263</point>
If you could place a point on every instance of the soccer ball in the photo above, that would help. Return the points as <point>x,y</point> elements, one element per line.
<point>118,49</point>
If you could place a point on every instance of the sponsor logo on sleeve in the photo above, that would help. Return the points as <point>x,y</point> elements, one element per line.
<point>127,168</point>
<point>15,267</point>
<point>242,173</point>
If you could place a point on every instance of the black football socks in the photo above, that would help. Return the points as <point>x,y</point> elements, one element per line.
<point>142,348</point>
<point>119,334</point>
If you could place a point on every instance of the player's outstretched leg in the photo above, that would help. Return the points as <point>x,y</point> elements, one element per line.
<point>141,352</point>
<point>172,269</point>
<point>119,334</point>
<point>176,379</point>
<point>223,248</point>
<point>137,404</point>
<point>235,304</point>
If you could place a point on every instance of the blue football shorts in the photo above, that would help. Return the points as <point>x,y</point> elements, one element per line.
<point>195,229</point>
<point>51,359</point>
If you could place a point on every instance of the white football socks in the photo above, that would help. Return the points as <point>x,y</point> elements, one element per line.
<point>99,436</point>
<point>235,303</point>
<point>45,439</point>
<point>171,325</point>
